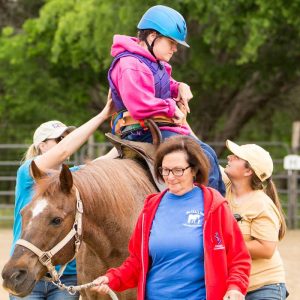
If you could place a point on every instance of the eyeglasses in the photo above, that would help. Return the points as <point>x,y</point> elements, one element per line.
<point>238,217</point>
<point>175,171</point>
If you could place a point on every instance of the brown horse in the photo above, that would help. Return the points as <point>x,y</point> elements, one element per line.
<point>112,192</point>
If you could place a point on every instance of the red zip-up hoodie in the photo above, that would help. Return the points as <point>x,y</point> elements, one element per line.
<point>226,259</point>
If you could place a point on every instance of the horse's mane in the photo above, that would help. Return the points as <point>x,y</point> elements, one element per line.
<point>112,185</point>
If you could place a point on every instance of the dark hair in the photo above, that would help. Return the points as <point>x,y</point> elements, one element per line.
<point>144,33</point>
<point>196,158</point>
<point>271,191</point>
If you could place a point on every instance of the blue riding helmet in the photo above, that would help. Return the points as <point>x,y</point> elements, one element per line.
<point>167,21</point>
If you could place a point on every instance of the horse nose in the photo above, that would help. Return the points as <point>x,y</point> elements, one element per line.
<point>14,277</point>
<point>17,279</point>
<point>19,275</point>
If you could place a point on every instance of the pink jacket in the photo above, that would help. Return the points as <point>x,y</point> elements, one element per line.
<point>227,260</point>
<point>134,82</point>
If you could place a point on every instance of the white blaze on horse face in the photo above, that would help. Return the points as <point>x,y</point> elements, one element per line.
<point>38,208</point>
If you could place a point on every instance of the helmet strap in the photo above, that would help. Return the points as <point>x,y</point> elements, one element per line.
<point>150,48</point>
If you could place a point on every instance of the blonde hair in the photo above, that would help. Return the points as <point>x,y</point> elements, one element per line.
<point>270,189</point>
<point>31,152</point>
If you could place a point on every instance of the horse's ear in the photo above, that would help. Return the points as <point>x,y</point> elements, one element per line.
<point>36,172</point>
<point>66,179</point>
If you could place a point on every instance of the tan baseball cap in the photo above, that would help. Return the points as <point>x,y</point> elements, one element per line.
<point>258,158</point>
<point>50,130</point>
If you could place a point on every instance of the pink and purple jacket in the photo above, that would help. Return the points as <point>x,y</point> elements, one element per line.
<point>134,82</point>
<point>227,261</point>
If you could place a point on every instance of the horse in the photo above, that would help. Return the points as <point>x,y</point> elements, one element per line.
<point>112,193</point>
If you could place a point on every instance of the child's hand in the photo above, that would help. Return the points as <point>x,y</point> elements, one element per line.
<point>184,95</point>
<point>179,116</point>
<point>182,107</point>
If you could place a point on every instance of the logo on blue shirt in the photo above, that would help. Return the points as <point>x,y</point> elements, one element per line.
<point>194,218</point>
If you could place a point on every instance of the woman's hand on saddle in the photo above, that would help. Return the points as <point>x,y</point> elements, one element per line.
<point>234,295</point>
<point>109,108</point>
<point>101,286</point>
<point>179,116</point>
<point>184,95</point>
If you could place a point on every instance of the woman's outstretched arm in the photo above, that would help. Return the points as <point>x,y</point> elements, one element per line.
<point>53,158</point>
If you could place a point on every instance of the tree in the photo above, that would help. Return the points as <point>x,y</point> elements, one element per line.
<point>249,63</point>
<point>241,64</point>
<point>15,12</point>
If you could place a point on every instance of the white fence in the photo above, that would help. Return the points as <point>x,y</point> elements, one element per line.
<point>288,186</point>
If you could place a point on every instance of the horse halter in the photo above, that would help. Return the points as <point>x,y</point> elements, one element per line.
<point>45,256</point>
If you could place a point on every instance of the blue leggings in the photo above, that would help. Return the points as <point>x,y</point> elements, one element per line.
<point>215,177</point>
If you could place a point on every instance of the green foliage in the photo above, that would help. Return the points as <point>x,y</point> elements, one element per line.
<point>242,27</point>
<point>242,51</point>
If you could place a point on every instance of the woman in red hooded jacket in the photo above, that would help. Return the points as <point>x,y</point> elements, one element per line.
<point>186,243</point>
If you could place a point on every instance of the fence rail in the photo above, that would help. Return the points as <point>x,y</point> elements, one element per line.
<point>10,154</point>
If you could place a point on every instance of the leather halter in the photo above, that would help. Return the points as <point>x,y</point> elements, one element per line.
<point>45,256</point>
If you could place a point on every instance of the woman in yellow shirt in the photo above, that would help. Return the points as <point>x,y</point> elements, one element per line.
<point>253,198</point>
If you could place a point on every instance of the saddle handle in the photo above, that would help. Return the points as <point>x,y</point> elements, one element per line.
<point>155,132</point>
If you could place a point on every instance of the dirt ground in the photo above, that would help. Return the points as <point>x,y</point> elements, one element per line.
<point>289,249</point>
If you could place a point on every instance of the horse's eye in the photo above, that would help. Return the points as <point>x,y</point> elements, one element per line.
<point>56,221</point>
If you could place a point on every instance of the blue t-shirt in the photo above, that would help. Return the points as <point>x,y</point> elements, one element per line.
<point>23,195</point>
<point>176,248</point>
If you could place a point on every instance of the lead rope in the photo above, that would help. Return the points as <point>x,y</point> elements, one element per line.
<point>72,289</point>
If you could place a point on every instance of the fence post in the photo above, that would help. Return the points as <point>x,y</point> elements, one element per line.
<point>292,198</point>
<point>293,181</point>
<point>90,145</point>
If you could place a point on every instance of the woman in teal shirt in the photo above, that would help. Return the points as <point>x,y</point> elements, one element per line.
<point>53,143</point>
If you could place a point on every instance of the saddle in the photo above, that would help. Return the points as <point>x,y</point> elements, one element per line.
<point>141,151</point>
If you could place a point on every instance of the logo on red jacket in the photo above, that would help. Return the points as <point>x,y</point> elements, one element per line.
<point>218,242</point>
